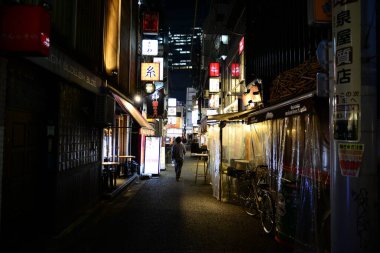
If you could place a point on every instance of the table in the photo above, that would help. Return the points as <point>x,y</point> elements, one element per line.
<point>205,165</point>
<point>128,159</point>
<point>110,174</point>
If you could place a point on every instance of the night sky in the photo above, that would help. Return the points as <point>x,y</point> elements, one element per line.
<point>179,16</point>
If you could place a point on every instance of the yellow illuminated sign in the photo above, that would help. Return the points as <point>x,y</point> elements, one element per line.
<point>150,71</point>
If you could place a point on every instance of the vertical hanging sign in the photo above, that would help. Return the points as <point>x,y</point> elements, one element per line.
<point>347,70</point>
<point>235,70</point>
<point>214,70</point>
<point>150,23</point>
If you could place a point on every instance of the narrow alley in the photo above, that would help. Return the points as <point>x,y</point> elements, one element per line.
<point>162,215</point>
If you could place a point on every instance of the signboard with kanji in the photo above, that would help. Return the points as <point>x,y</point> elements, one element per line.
<point>24,30</point>
<point>150,71</point>
<point>172,111</point>
<point>241,45</point>
<point>214,69</point>
<point>150,23</point>
<point>347,76</point>
<point>155,104</point>
<point>235,70</point>
<point>350,158</point>
<point>149,47</point>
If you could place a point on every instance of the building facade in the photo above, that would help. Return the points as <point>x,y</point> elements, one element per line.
<point>66,112</point>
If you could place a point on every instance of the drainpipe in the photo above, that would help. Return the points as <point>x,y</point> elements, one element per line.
<point>354,128</point>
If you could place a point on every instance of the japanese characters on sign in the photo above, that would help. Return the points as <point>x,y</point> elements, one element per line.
<point>150,71</point>
<point>25,30</point>
<point>235,70</point>
<point>150,23</point>
<point>214,69</point>
<point>172,111</point>
<point>242,69</point>
<point>241,45</point>
<point>347,76</point>
<point>149,47</point>
<point>350,158</point>
<point>155,104</point>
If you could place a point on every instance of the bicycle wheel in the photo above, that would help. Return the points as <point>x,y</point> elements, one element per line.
<point>267,213</point>
<point>243,190</point>
<point>246,197</point>
<point>249,205</point>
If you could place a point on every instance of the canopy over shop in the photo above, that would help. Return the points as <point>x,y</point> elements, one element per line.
<point>122,135</point>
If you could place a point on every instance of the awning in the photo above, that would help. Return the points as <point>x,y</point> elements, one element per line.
<point>129,108</point>
<point>233,116</point>
<point>306,103</point>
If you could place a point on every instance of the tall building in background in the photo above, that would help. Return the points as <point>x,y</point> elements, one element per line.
<point>180,48</point>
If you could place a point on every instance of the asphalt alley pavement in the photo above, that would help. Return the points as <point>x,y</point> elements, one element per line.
<point>162,215</point>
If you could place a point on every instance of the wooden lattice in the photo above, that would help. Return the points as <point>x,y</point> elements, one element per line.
<point>295,81</point>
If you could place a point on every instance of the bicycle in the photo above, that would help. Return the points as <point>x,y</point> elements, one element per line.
<point>255,197</point>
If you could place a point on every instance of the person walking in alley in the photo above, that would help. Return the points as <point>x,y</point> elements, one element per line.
<point>178,155</point>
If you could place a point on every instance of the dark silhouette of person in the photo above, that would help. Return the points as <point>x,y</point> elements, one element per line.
<point>178,155</point>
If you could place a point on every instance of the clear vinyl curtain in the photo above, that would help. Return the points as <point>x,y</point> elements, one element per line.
<point>236,145</point>
<point>234,142</point>
<point>214,157</point>
<point>294,150</point>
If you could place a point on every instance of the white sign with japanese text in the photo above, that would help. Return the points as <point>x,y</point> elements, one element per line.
<point>149,47</point>
<point>347,73</point>
<point>172,111</point>
<point>152,155</point>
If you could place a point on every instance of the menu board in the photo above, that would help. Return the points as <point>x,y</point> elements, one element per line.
<point>152,155</point>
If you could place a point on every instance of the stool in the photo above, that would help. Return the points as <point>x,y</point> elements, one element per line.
<point>205,166</point>
<point>232,174</point>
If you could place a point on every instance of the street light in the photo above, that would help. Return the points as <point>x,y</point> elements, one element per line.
<point>137,98</point>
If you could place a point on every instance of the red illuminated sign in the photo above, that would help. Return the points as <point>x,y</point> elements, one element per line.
<point>25,29</point>
<point>150,23</point>
<point>214,69</point>
<point>241,45</point>
<point>235,70</point>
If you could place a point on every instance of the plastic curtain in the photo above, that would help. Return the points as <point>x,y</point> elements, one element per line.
<point>236,145</point>
<point>213,143</point>
<point>295,152</point>
<point>234,142</point>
